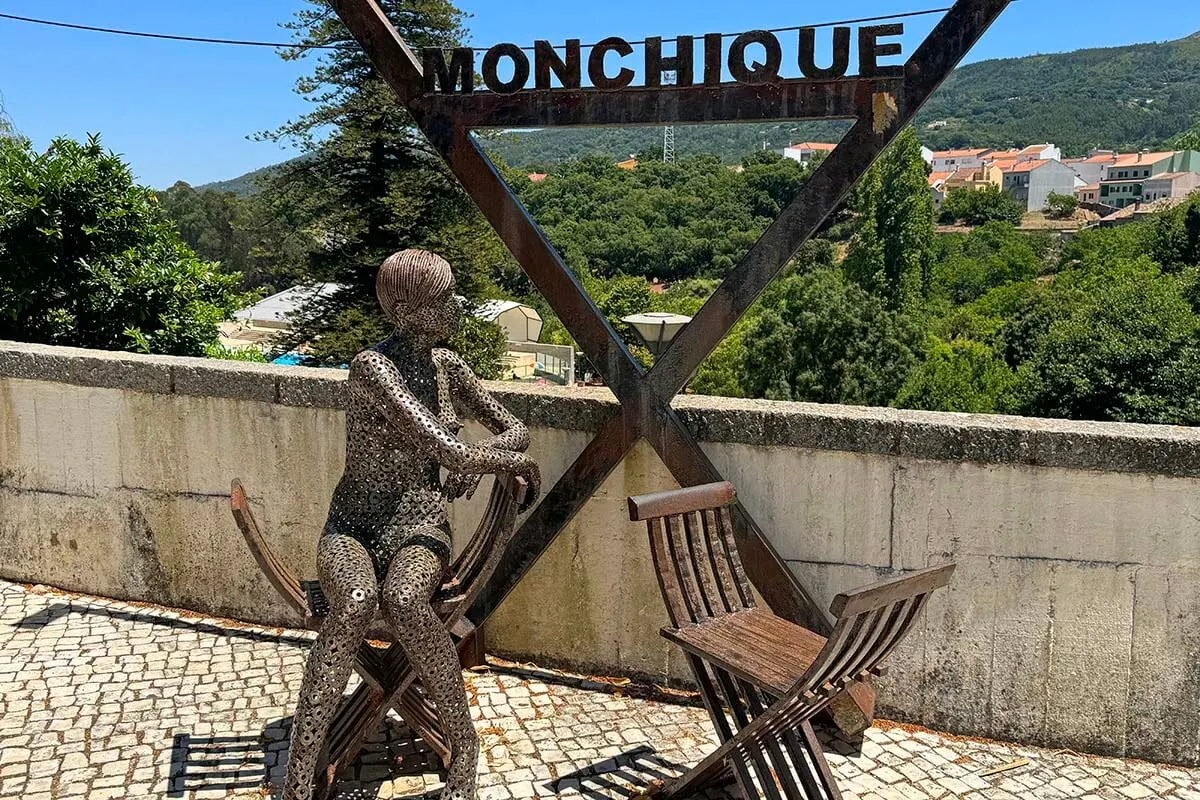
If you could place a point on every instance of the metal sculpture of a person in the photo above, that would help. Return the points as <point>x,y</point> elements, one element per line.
<point>386,544</point>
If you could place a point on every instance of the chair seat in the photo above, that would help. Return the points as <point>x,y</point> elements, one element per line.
<point>755,645</point>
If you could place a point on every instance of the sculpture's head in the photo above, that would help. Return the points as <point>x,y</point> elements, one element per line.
<point>415,289</point>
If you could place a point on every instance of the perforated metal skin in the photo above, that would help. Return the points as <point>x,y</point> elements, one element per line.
<point>386,544</point>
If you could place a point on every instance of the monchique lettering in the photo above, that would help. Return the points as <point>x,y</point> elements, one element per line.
<point>757,72</point>
<point>547,60</point>
<point>680,63</point>
<point>491,59</point>
<point>596,72</point>
<point>561,66</point>
<point>442,78</point>
<point>808,58</point>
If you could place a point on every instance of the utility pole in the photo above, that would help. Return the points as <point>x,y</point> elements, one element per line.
<point>669,131</point>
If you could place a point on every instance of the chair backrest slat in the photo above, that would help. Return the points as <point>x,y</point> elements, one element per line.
<point>735,595</point>
<point>487,546</point>
<point>668,576</point>
<point>734,558</point>
<point>703,566</point>
<point>681,558</point>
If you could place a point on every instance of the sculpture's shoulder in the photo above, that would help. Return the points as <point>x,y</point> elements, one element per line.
<point>372,366</point>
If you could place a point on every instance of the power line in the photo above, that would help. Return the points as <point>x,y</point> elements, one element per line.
<point>252,43</point>
<point>167,36</point>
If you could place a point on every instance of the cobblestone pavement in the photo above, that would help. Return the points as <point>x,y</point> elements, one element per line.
<point>103,699</point>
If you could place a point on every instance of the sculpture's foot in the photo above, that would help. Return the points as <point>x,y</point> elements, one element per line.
<point>461,777</point>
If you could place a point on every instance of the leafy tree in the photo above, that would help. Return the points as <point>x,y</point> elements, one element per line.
<point>823,338</point>
<point>691,218</point>
<point>968,265</point>
<point>892,253</point>
<point>482,344</point>
<point>88,259</point>
<point>371,185</point>
<point>1188,140</point>
<point>1174,236</point>
<point>1117,342</point>
<point>247,234</point>
<point>1061,206</point>
<point>980,206</point>
<point>957,375</point>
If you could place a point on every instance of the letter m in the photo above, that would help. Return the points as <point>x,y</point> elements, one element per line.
<point>442,78</point>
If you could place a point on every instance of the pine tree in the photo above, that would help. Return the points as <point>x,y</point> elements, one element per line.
<point>368,183</point>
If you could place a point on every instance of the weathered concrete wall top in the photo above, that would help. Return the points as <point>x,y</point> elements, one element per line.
<point>1073,619</point>
<point>984,438</point>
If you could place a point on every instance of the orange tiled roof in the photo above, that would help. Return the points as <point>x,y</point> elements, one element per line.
<point>1029,166</point>
<point>961,153</point>
<point>1130,159</point>
<point>537,177</point>
<point>826,146</point>
<point>938,178</point>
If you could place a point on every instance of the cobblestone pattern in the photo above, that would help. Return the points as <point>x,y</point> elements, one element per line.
<point>101,699</point>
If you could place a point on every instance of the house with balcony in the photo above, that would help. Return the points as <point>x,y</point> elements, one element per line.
<point>1031,183</point>
<point>1125,179</point>
<point>975,178</point>
<point>952,160</point>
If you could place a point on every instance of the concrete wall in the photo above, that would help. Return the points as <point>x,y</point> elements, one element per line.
<point>1073,619</point>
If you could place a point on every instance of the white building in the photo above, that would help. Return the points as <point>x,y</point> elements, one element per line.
<point>257,325</point>
<point>520,322</point>
<point>804,152</point>
<point>952,160</point>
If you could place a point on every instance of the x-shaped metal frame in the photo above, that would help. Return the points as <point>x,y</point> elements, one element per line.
<point>881,106</point>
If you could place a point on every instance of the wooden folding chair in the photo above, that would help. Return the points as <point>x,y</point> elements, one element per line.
<point>762,677</point>
<point>388,679</point>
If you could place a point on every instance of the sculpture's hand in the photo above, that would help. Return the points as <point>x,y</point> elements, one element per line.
<point>459,484</point>
<point>528,469</point>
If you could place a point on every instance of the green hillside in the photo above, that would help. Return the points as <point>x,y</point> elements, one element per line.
<point>241,185</point>
<point>1116,97</point>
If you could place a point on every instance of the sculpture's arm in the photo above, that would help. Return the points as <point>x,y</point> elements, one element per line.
<point>508,432</point>
<point>375,378</point>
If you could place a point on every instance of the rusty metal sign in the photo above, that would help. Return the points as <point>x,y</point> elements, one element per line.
<point>881,100</point>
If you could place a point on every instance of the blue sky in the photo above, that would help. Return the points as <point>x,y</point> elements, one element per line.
<point>183,111</point>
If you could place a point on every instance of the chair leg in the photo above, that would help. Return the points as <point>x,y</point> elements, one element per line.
<point>819,770</point>
<point>346,734</point>
<point>420,715</point>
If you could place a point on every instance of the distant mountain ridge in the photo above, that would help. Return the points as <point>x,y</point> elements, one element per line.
<point>1125,98</point>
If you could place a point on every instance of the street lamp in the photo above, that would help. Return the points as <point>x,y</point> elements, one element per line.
<point>657,328</point>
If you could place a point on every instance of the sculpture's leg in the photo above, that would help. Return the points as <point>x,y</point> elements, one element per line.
<point>348,580</point>
<point>414,574</point>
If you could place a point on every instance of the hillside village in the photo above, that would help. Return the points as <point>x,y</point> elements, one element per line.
<point>1114,185</point>
<point>1109,186</point>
